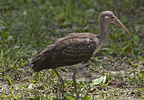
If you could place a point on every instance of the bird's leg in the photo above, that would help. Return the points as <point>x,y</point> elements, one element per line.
<point>61,80</point>
<point>74,80</point>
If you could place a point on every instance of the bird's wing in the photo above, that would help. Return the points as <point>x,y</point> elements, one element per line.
<point>65,52</point>
<point>74,50</point>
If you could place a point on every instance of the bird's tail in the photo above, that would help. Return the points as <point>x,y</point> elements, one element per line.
<point>36,63</point>
<point>42,60</point>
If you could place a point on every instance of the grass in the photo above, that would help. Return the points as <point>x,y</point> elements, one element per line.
<point>27,27</point>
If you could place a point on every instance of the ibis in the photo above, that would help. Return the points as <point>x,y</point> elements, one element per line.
<point>75,48</point>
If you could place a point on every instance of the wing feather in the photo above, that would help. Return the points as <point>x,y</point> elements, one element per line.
<point>65,52</point>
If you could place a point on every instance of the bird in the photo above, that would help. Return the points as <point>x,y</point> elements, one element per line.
<point>75,48</point>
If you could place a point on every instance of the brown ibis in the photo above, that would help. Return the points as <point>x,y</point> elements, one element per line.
<point>75,48</point>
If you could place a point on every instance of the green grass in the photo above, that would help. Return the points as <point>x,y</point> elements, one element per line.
<point>27,27</point>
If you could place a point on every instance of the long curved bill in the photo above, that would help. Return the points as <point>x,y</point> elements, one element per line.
<point>118,22</point>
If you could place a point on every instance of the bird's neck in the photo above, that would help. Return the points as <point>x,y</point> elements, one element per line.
<point>103,32</point>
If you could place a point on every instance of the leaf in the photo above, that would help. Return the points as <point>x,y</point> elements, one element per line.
<point>105,48</point>
<point>98,81</point>
<point>10,38</point>
<point>104,79</point>
<point>1,54</point>
<point>30,86</point>
<point>2,25</point>
<point>9,81</point>
<point>23,63</point>
<point>36,77</point>
<point>89,12</point>
<point>69,98</point>
<point>80,80</point>
<point>127,49</point>
<point>16,47</point>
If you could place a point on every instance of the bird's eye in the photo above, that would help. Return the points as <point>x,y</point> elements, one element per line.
<point>112,17</point>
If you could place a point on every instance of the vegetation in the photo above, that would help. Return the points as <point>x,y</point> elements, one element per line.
<point>28,26</point>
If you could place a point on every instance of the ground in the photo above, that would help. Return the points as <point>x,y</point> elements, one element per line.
<point>27,27</point>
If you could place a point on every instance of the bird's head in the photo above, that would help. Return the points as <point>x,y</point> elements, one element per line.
<point>109,17</point>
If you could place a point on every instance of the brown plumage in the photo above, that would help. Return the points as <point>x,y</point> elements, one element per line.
<point>66,51</point>
<point>75,48</point>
